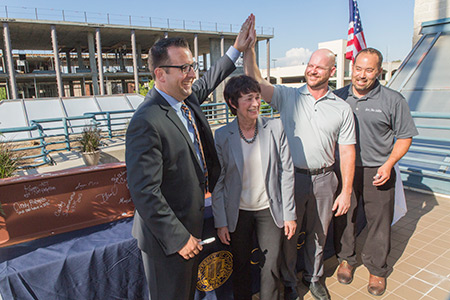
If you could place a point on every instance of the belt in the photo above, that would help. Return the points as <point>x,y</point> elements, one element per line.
<point>314,171</point>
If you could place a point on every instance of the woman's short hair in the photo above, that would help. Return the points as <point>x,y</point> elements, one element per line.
<point>238,86</point>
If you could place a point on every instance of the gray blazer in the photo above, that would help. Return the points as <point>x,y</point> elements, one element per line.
<point>279,173</point>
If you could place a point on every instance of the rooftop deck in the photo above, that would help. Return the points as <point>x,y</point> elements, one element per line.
<point>420,255</point>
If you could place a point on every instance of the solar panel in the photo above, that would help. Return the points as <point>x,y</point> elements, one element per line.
<point>12,115</point>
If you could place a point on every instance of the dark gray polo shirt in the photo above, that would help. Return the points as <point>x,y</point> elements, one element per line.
<point>381,115</point>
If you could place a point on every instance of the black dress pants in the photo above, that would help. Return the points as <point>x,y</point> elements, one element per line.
<point>378,205</point>
<point>269,240</point>
<point>171,277</point>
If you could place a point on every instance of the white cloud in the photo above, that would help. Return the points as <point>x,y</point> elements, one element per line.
<point>294,57</point>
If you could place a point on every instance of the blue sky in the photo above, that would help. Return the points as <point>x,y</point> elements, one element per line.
<point>298,25</point>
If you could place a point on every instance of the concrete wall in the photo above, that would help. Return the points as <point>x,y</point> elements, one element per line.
<point>428,10</point>
<point>342,73</point>
<point>280,73</point>
<point>215,55</point>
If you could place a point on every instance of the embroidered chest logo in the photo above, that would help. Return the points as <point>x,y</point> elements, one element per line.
<point>376,110</point>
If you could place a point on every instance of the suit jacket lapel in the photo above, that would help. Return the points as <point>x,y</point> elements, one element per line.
<point>172,116</point>
<point>264,133</point>
<point>235,144</point>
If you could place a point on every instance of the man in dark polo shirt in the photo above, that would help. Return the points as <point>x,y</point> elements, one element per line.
<point>384,131</point>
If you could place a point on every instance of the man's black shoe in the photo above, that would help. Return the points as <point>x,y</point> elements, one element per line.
<point>318,290</point>
<point>290,293</point>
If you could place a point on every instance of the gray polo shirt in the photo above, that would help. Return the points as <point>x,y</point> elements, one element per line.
<point>381,116</point>
<point>313,127</point>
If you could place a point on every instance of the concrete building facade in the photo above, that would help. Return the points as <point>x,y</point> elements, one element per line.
<point>295,75</point>
<point>428,10</point>
<point>48,58</point>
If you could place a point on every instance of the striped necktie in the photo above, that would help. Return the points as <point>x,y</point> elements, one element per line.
<point>187,113</point>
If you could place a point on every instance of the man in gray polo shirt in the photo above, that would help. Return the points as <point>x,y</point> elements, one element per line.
<point>384,133</point>
<point>314,120</point>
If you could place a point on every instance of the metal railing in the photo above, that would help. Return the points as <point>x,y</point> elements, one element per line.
<point>59,131</point>
<point>427,162</point>
<point>62,134</point>
<point>50,14</point>
<point>23,146</point>
<point>114,122</point>
<point>46,136</point>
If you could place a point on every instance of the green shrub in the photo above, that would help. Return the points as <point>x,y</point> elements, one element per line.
<point>3,94</point>
<point>8,160</point>
<point>8,163</point>
<point>143,90</point>
<point>266,108</point>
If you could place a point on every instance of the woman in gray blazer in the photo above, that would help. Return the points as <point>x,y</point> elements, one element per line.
<point>255,190</point>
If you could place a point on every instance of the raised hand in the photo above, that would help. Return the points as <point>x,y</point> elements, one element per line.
<point>252,33</point>
<point>244,39</point>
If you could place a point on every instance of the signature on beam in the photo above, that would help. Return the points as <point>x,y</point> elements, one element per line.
<point>82,186</point>
<point>64,209</point>
<point>41,188</point>
<point>107,195</point>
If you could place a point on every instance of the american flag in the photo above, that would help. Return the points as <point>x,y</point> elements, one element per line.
<point>355,39</point>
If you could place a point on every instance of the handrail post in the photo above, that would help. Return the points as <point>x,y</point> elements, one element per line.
<point>108,116</point>
<point>66,134</point>
<point>42,143</point>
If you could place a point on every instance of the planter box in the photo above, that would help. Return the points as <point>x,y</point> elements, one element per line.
<point>40,205</point>
<point>91,158</point>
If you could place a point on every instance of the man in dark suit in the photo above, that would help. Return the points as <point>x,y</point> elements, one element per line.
<point>171,162</point>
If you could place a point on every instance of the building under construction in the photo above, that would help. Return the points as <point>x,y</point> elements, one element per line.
<point>50,53</point>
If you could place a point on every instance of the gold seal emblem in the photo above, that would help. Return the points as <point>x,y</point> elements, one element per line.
<point>301,240</point>
<point>253,255</point>
<point>214,270</point>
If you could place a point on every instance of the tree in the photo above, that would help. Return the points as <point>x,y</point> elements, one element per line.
<point>3,93</point>
<point>143,90</point>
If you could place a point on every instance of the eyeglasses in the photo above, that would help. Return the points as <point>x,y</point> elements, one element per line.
<point>186,68</point>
